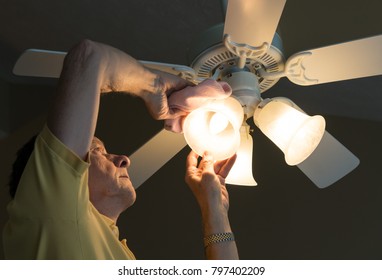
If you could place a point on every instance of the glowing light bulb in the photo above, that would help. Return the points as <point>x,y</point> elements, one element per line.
<point>218,123</point>
<point>214,127</point>
<point>294,132</point>
<point>241,172</point>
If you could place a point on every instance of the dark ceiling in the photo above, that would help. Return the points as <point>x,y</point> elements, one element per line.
<point>163,31</point>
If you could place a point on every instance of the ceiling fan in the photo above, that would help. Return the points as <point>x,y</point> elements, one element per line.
<point>247,53</point>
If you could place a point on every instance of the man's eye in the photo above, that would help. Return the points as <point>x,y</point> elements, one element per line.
<point>96,149</point>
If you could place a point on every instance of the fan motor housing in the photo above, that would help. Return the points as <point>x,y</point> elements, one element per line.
<point>211,59</point>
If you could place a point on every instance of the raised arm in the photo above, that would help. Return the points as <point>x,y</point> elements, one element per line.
<point>92,68</point>
<point>206,181</point>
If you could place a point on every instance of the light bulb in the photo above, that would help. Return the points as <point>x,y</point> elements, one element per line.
<point>241,171</point>
<point>214,127</point>
<point>294,132</point>
<point>218,123</point>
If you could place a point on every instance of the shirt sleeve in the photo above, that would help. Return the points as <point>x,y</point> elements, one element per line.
<point>54,182</point>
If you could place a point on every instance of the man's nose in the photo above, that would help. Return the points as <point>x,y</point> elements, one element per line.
<point>121,161</point>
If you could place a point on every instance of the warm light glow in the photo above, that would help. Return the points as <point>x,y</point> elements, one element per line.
<point>218,123</point>
<point>241,172</point>
<point>214,127</point>
<point>294,132</point>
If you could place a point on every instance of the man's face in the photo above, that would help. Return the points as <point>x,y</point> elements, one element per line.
<point>108,176</point>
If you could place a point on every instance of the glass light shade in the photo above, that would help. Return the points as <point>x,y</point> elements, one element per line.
<point>294,132</point>
<point>241,172</point>
<point>214,127</point>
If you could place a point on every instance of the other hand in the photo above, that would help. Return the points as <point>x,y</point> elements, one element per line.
<point>207,180</point>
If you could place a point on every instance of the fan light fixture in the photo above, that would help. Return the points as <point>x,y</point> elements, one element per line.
<point>214,127</point>
<point>250,58</point>
<point>293,131</point>
<point>241,172</point>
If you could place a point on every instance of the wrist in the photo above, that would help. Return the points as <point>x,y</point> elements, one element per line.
<point>153,85</point>
<point>123,73</point>
<point>215,220</point>
<point>218,238</point>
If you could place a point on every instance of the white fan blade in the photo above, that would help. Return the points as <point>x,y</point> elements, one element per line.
<point>329,162</point>
<point>39,63</point>
<point>48,64</point>
<point>149,158</point>
<point>253,22</point>
<point>350,60</point>
<point>175,69</point>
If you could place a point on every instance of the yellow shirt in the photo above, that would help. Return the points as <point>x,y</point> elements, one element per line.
<point>51,216</point>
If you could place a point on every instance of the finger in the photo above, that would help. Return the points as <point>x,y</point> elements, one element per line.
<point>219,164</point>
<point>172,82</point>
<point>158,109</point>
<point>192,160</point>
<point>166,113</point>
<point>224,170</point>
<point>175,113</point>
<point>193,174</point>
<point>207,163</point>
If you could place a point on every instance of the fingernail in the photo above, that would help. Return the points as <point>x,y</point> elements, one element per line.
<point>227,88</point>
<point>207,156</point>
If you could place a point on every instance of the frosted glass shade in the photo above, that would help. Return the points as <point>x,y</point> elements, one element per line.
<point>215,127</point>
<point>294,132</point>
<point>241,172</point>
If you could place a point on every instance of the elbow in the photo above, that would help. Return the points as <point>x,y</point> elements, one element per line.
<point>84,54</point>
<point>85,47</point>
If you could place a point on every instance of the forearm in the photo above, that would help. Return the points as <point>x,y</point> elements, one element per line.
<point>123,73</point>
<point>215,222</point>
<point>212,196</point>
<point>89,69</point>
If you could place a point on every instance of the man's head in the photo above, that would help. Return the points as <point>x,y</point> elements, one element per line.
<point>109,182</point>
